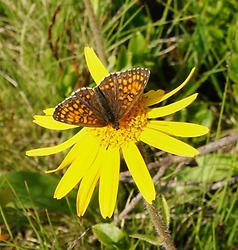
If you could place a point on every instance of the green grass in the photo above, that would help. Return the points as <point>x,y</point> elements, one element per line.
<point>169,37</point>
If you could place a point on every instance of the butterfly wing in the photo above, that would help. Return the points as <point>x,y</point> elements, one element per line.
<point>81,108</point>
<point>123,89</point>
<point>109,90</point>
<point>118,94</point>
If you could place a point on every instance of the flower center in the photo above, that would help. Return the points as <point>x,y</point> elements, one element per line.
<point>130,127</point>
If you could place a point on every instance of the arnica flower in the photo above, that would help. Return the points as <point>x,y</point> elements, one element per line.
<point>94,156</point>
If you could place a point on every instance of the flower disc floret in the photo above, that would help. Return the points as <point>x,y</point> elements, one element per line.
<point>129,130</point>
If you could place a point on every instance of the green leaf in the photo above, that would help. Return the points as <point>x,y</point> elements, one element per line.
<point>197,113</point>
<point>124,58</point>
<point>32,190</point>
<point>137,44</point>
<point>204,116</point>
<point>211,168</point>
<point>139,48</point>
<point>6,196</point>
<point>165,210</point>
<point>110,235</point>
<point>150,239</point>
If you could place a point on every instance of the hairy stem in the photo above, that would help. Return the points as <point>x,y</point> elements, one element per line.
<point>160,227</point>
<point>96,29</point>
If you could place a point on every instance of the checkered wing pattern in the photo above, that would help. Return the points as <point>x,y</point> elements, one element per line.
<point>81,108</point>
<point>123,89</point>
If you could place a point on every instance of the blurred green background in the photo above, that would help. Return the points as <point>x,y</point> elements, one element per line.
<point>42,62</point>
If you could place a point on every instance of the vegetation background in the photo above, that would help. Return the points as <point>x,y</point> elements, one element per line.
<point>42,62</point>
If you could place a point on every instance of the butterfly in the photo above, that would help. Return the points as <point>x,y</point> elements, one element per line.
<point>106,103</point>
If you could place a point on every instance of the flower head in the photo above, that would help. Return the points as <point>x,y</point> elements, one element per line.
<point>95,151</point>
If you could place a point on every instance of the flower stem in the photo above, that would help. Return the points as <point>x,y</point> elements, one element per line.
<point>160,227</point>
<point>95,27</point>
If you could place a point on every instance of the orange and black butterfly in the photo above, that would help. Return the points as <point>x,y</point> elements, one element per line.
<point>105,104</point>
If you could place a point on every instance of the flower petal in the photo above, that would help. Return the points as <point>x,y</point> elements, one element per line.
<point>86,141</point>
<point>95,66</point>
<point>88,183</point>
<point>49,111</point>
<point>57,148</point>
<point>153,97</point>
<point>109,180</point>
<point>183,129</point>
<point>167,143</point>
<point>48,121</point>
<point>169,94</point>
<point>72,154</point>
<point>77,170</point>
<point>171,108</point>
<point>139,171</point>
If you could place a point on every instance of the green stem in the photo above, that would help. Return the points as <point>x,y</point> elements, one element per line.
<point>160,227</point>
<point>95,27</point>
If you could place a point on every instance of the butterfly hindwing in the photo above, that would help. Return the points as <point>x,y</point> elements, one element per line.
<point>81,108</point>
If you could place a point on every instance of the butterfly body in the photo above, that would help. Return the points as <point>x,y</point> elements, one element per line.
<point>105,104</point>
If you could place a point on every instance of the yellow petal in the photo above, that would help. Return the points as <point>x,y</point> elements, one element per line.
<point>166,96</point>
<point>72,154</point>
<point>47,121</point>
<point>88,183</point>
<point>171,108</point>
<point>87,141</point>
<point>79,167</point>
<point>153,97</point>
<point>167,143</point>
<point>109,181</point>
<point>49,111</point>
<point>139,171</point>
<point>183,129</point>
<point>58,148</point>
<point>95,66</point>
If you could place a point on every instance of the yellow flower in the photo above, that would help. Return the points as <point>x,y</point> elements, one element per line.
<point>95,152</point>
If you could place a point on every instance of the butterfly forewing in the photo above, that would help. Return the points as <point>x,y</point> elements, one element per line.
<point>124,89</point>
<point>81,108</point>
<point>109,88</point>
